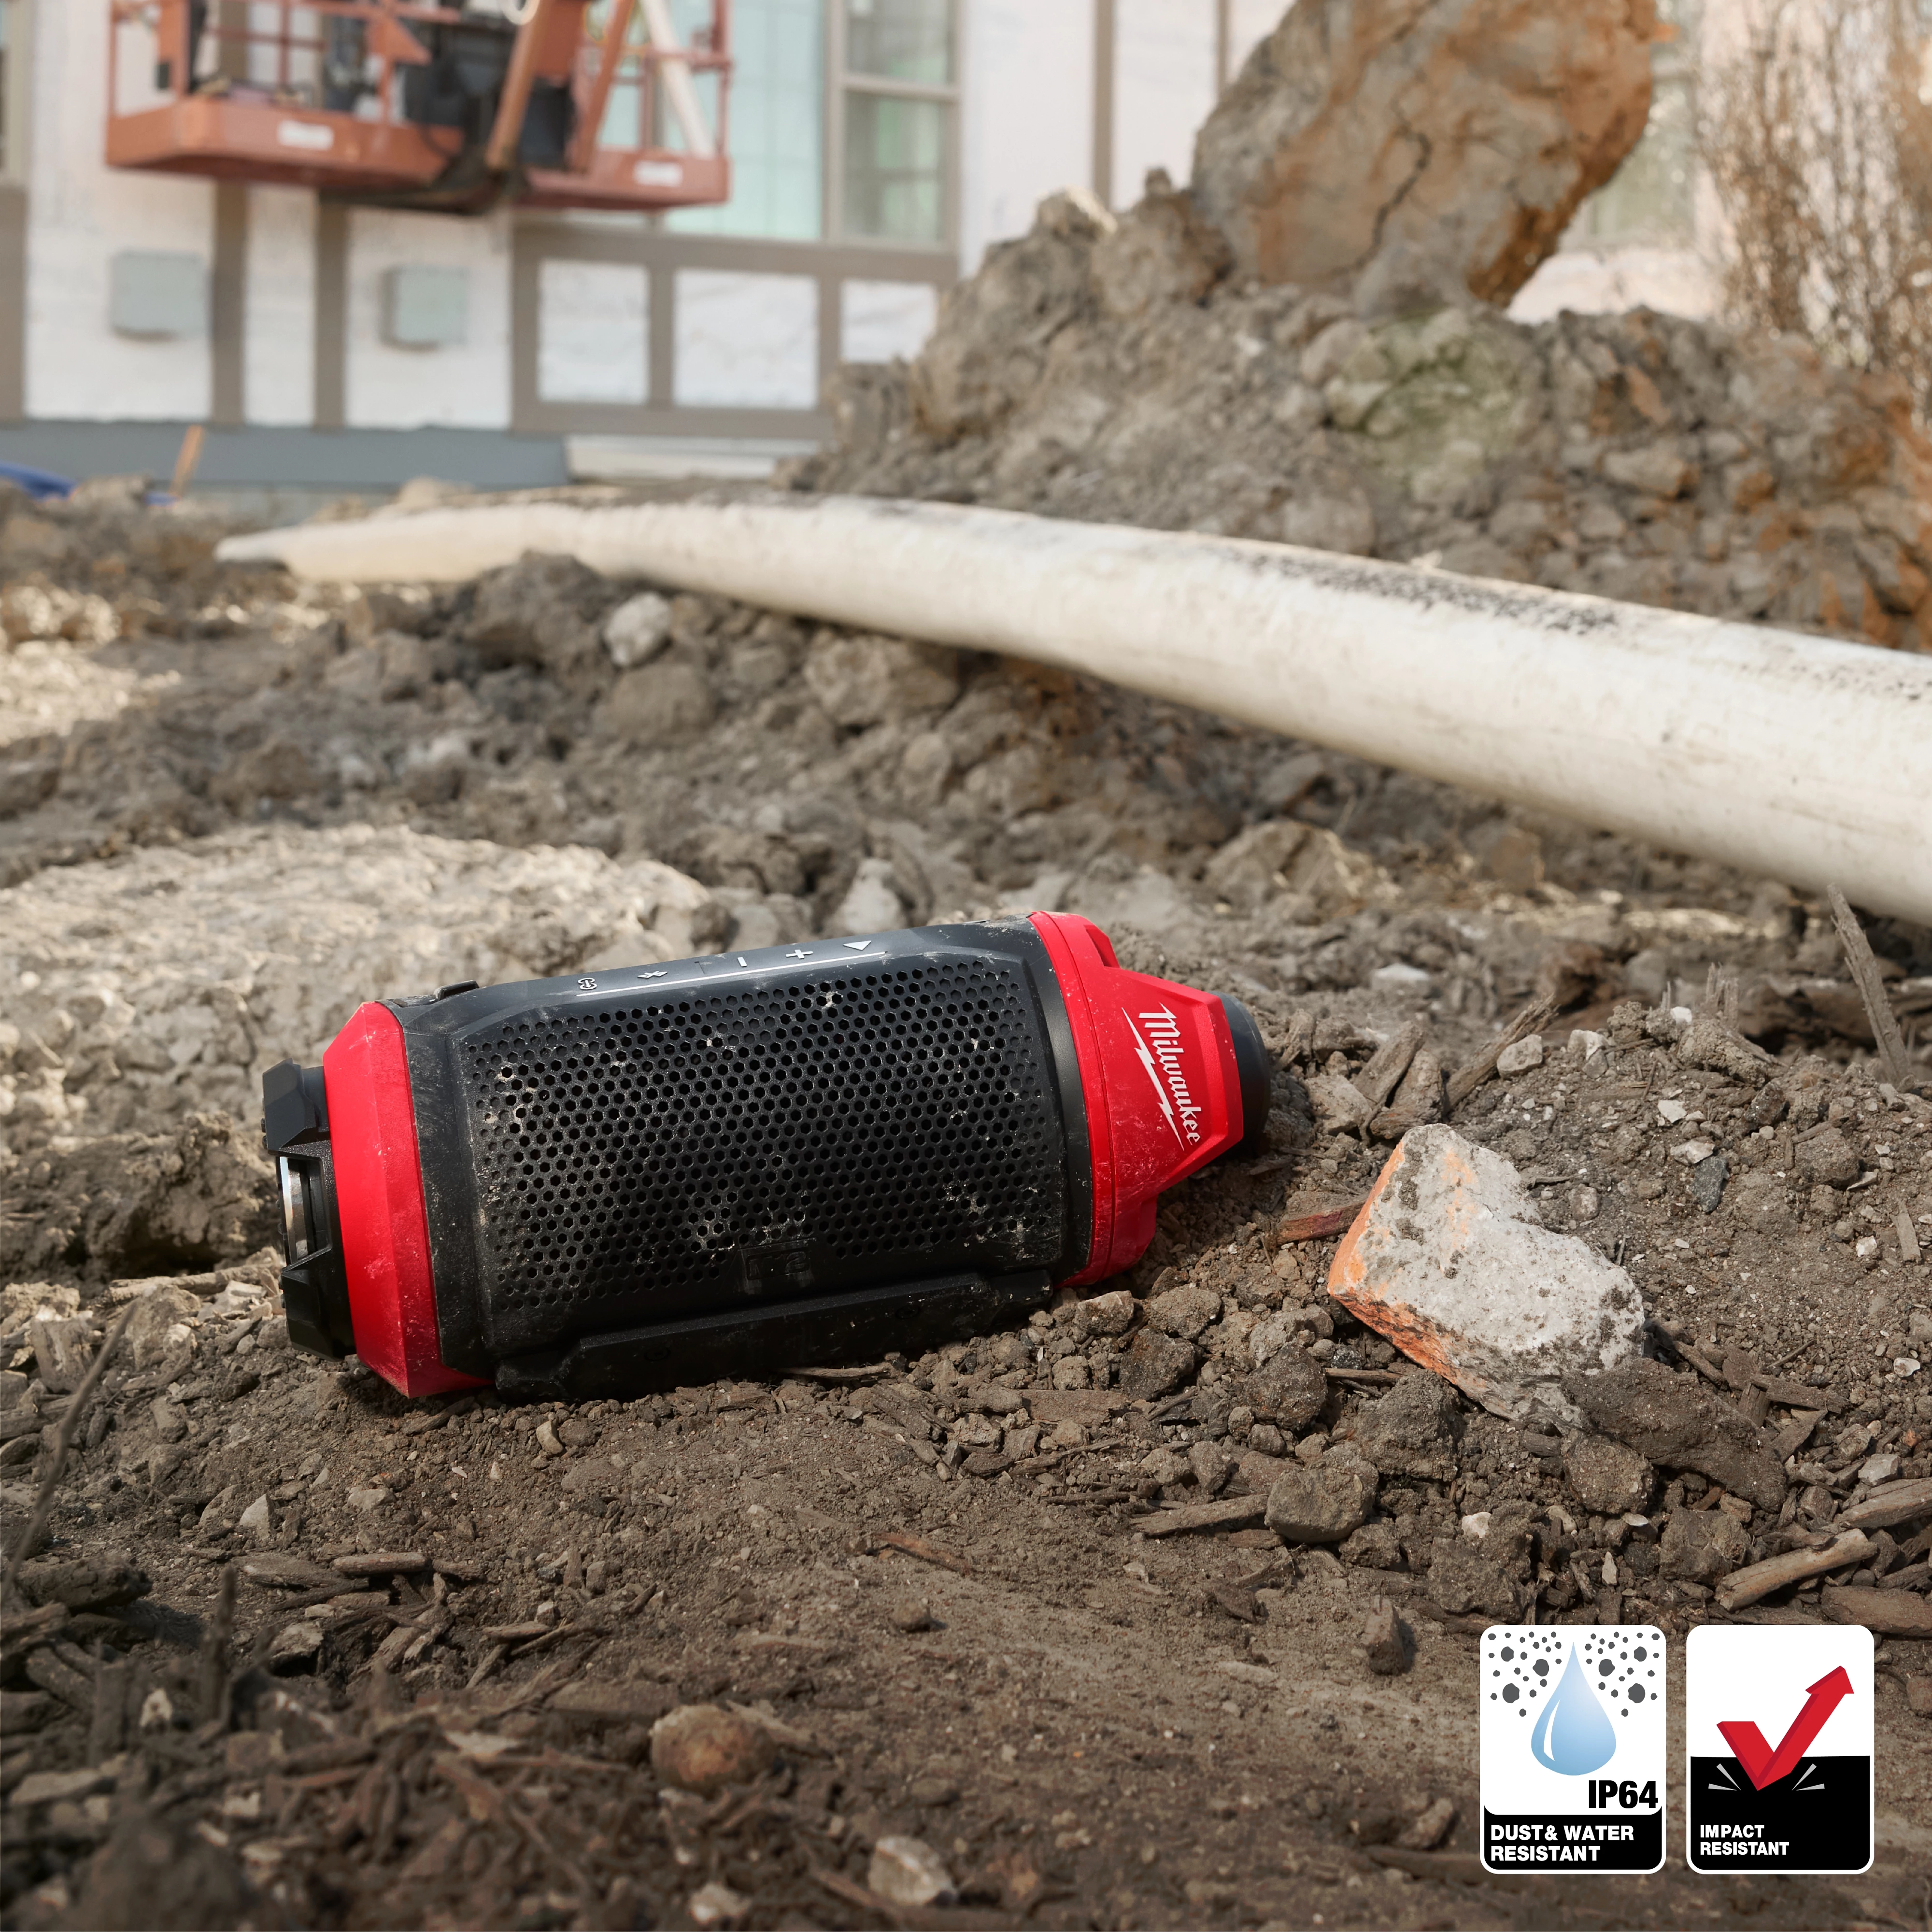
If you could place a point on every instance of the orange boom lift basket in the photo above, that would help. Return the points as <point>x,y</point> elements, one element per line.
<point>554,103</point>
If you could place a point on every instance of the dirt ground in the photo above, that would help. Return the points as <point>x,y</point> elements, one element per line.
<point>931,1581</point>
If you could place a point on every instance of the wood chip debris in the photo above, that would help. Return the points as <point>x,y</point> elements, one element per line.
<point>1890,1504</point>
<point>1225,1512</point>
<point>1320,1225</point>
<point>1871,989</point>
<point>380,1563</point>
<point>1759,1579</point>
<point>925,1552</point>
<point>1887,1613</point>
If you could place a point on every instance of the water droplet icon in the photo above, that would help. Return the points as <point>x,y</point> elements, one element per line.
<point>1574,1734</point>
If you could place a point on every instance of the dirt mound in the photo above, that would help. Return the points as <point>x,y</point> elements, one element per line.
<point>195,1193</point>
<point>1114,371</point>
<point>455,1616</point>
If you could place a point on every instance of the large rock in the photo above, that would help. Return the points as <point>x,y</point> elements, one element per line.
<point>1449,1260</point>
<point>1461,134</point>
<point>1679,1424</point>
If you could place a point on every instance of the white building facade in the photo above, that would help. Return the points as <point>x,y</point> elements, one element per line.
<point>878,148</point>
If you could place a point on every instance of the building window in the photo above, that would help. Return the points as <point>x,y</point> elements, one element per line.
<point>777,128</point>
<point>746,341</point>
<point>879,320</point>
<point>593,321</point>
<point>898,105</point>
<point>882,138</point>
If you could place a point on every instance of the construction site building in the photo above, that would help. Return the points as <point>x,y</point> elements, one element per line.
<point>876,148</point>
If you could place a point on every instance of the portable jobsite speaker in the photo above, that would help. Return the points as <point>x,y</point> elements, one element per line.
<point>619,1181</point>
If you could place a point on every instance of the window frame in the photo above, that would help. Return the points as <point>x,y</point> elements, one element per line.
<point>833,257</point>
<point>841,81</point>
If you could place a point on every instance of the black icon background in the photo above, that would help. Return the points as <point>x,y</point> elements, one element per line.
<point>1821,1812</point>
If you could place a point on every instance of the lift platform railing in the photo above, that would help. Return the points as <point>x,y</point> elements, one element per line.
<point>655,79</point>
<point>404,101</point>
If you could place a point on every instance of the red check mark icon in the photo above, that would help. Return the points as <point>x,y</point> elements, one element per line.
<point>1762,1765</point>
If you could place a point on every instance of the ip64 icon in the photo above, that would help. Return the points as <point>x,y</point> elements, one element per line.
<point>1626,1793</point>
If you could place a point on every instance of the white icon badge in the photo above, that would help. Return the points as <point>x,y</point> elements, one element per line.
<point>1777,1741</point>
<point>1573,1745</point>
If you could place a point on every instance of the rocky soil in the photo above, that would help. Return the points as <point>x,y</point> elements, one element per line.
<point>1121,370</point>
<point>950,1600</point>
<point>1163,1609</point>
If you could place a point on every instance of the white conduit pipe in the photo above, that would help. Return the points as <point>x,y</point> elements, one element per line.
<point>1793,756</point>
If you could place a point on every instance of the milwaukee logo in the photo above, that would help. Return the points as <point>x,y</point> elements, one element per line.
<point>1158,1050</point>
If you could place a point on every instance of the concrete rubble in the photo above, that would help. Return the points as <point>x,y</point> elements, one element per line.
<point>274,936</point>
<point>1450,1261</point>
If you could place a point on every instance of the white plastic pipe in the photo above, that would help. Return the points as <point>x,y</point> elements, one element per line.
<point>1794,756</point>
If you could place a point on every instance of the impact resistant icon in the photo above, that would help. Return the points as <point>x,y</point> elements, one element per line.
<point>1778,1736</point>
<point>1572,1726</point>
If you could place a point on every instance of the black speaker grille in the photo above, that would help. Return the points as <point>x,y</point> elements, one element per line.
<point>636,1160</point>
